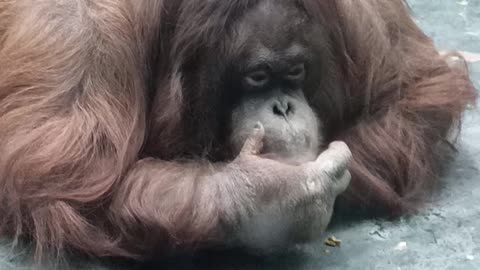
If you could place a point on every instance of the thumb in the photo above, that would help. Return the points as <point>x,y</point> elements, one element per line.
<point>254,143</point>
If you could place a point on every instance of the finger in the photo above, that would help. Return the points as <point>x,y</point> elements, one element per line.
<point>334,161</point>
<point>254,143</point>
<point>337,154</point>
<point>343,182</point>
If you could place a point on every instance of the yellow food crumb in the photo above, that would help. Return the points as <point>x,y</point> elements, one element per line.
<point>332,241</point>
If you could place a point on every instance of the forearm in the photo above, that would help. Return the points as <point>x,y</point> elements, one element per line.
<point>251,202</point>
<point>168,204</point>
<point>172,205</point>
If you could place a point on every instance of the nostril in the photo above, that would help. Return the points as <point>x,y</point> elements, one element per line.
<point>278,110</point>
<point>289,108</point>
<point>282,108</point>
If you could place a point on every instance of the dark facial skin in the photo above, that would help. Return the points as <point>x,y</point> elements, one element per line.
<point>272,71</point>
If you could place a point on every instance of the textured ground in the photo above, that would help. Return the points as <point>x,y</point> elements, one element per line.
<point>446,236</point>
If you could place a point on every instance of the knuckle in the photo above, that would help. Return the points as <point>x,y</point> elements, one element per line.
<point>330,169</point>
<point>344,182</point>
<point>346,158</point>
<point>338,144</point>
<point>348,153</point>
<point>347,178</point>
<point>327,169</point>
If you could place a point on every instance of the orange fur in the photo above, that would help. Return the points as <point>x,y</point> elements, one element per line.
<point>76,108</point>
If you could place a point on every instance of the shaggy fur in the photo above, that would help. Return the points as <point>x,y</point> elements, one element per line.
<point>88,89</point>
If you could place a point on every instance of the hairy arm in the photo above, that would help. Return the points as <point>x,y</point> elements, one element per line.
<point>71,116</point>
<point>251,202</point>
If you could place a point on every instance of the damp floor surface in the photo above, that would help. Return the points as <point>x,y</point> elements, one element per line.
<point>444,237</point>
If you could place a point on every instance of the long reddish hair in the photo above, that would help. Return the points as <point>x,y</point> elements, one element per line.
<point>68,135</point>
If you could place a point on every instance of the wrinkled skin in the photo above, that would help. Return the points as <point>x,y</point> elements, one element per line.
<point>299,204</point>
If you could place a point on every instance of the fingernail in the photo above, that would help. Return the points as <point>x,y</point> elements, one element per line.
<point>257,125</point>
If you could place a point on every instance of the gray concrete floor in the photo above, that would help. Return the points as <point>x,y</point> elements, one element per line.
<point>445,236</point>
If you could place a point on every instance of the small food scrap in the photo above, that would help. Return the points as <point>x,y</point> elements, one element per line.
<point>327,251</point>
<point>333,242</point>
